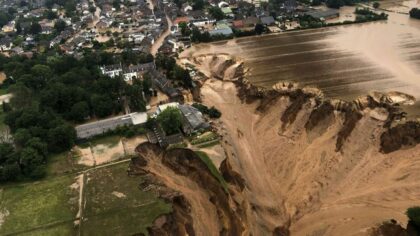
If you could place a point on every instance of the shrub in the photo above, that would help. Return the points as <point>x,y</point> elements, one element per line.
<point>413,213</point>
<point>415,13</point>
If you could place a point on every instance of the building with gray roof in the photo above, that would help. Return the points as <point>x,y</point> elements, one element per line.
<point>192,119</point>
<point>102,126</point>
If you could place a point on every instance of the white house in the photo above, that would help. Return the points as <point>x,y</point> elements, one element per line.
<point>6,44</point>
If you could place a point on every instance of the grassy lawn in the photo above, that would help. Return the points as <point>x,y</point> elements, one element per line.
<point>63,163</point>
<point>203,156</point>
<point>109,140</point>
<point>59,229</point>
<point>178,145</point>
<point>116,206</point>
<point>30,206</point>
<point>2,116</point>
<point>206,137</point>
<point>3,91</point>
<point>209,144</point>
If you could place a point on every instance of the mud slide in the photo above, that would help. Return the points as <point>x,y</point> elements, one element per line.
<point>201,206</point>
<point>315,166</point>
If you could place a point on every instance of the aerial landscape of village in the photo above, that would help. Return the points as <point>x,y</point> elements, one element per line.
<point>210,117</point>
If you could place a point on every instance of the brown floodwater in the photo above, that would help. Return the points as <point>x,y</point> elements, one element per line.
<point>344,62</point>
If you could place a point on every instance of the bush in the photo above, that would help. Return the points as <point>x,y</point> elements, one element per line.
<point>413,213</point>
<point>211,112</point>
<point>415,13</point>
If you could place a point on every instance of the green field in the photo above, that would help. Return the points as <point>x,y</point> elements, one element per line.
<point>2,124</point>
<point>63,163</point>
<point>39,205</point>
<point>204,138</point>
<point>108,140</point>
<point>210,165</point>
<point>116,206</point>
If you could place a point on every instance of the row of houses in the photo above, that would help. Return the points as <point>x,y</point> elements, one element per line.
<point>128,72</point>
<point>192,121</point>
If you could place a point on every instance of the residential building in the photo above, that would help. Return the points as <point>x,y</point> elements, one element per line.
<point>192,119</point>
<point>102,126</point>
<point>5,44</point>
<point>112,70</point>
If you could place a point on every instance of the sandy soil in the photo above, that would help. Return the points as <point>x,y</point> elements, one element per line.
<point>86,156</point>
<point>205,216</point>
<point>318,189</point>
<point>216,154</point>
<point>101,153</point>
<point>131,144</point>
<point>105,153</point>
<point>78,186</point>
<point>2,77</point>
<point>296,178</point>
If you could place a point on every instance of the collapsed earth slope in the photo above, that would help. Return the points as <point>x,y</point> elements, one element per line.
<point>319,165</point>
<point>297,163</point>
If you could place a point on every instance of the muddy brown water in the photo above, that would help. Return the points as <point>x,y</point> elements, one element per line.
<point>344,62</point>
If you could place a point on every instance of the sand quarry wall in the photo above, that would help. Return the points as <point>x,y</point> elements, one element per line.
<point>296,163</point>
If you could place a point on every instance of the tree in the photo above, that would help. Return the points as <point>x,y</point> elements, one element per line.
<point>259,28</point>
<point>60,25</point>
<point>185,31</point>
<point>29,159</point>
<point>335,3</point>
<point>216,13</point>
<point>102,105</point>
<point>92,9</point>
<point>4,18</point>
<point>21,137</point>
<point>170,120</point>
<point>61,138</point>
<point>70,7</point>
<point>37,144</point>
<point>316,2</point>
<point>51,15</point>
<point>9,167</point>
<point>413,214</point>
<point>35,28</point>
<point>376,5</point>
<point>198,5</point>
<point>80,111</point>
<point>415,13</point>
<point>116,4</point>
<point>135,96</point>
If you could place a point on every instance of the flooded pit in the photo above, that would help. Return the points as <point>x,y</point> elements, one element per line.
<point>344,62</point>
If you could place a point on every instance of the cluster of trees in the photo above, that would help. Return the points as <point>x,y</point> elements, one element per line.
<point>36,133</point>
<point>365,15</point>
<point>339,3</point>
<point>196,4</point>
<point>415,13</point>
<point>173,71</point>
<point>5,17</point>
<point>216,13</point>
<point>212,112</point>
<point>413,214</point>
<point>50,93</point>
<point>170,120</point>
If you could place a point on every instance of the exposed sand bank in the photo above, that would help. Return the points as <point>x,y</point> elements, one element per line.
<point>295,177</point>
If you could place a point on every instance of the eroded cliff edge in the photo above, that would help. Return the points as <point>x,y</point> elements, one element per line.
<point>297,162</point>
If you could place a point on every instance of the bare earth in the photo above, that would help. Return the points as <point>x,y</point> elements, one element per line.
<point>289,176</point>
<point>2,77</point>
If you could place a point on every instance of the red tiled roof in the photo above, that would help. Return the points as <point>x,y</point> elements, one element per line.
<point>238,23</point>
<point>185,19</point>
